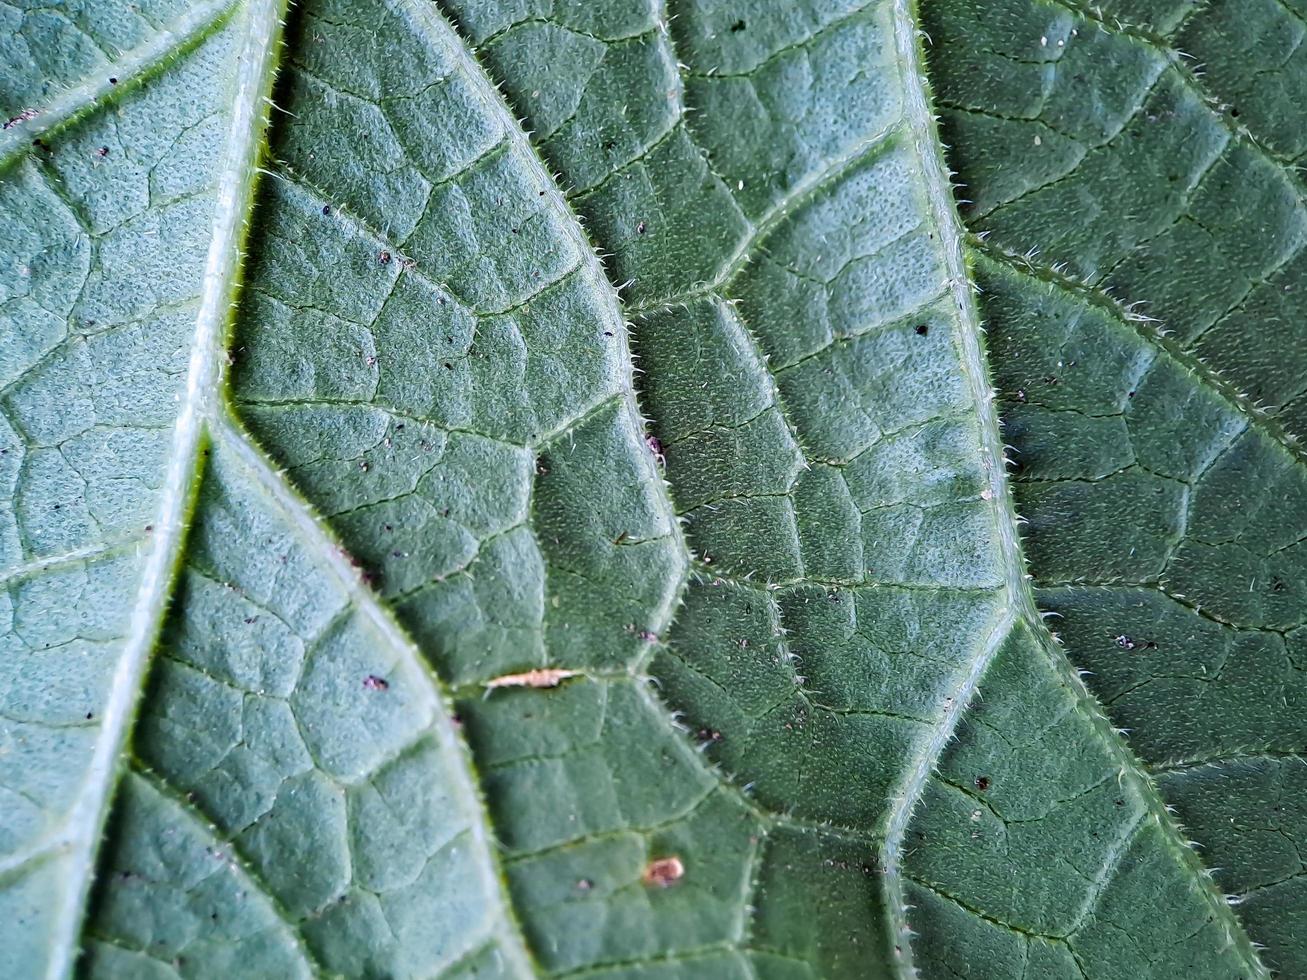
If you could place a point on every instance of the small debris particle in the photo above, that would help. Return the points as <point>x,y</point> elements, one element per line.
<point>584,885</point>
<point>1124,642</point>
<point>922,329</point>
<point>374,683</point>
<point>664,872</point>
<point>656,448</point>
<point>982,783</point>
<point>541,677</point>
<point>384,258</point>
<point>22,117</point>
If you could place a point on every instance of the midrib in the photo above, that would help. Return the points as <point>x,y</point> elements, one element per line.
<point>1021,606</point>
<point>236,176</point>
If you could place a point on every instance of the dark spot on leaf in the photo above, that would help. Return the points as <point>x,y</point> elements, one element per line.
<point>113,80</point>
<point>326,209</point>
<point>922,329</point>
<point>737,27</point>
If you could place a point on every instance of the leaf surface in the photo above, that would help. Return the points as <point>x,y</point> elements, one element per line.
<point>555,519</point>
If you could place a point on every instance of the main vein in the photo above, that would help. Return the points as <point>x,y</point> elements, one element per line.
<point>314,535</point>
<point>1021,604</point>
<point>220,281</point>
<point>1018,601</point>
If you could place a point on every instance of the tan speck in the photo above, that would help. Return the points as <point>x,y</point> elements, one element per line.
<point>664,872</point>
<point>543,677</point>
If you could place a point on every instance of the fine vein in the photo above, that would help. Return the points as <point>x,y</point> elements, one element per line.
<point>336,560</point>
<point>1016,583</point>
<point>944,215</point>
<point>221,274</point>
<point>113,80</point>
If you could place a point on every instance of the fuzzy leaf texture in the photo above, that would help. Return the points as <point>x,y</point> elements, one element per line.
<point>518,488</point>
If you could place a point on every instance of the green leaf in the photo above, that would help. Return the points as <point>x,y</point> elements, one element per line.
<point>534,503</point>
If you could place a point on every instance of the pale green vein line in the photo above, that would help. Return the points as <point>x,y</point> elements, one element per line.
<point>85,821</point>
<point>1161,47</point>
<point>78,556</point>
<point>797,196</point>
<point>940,195</point>
<point>1229,759</point>
<point>1202,372</point>
<point>1022,597</point>
<point>112,81</point>
<point>311,531</point>
<point>590,262</point>
<point>235,858</point>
